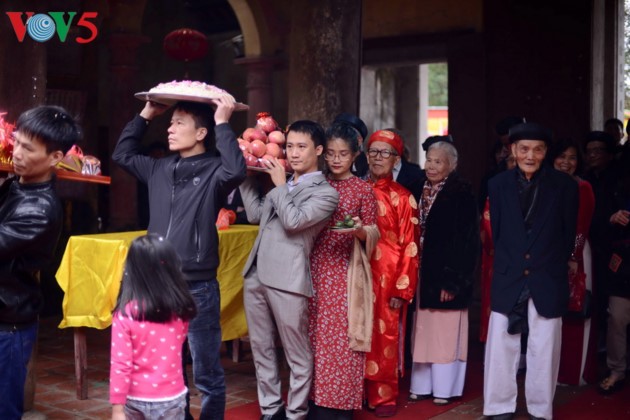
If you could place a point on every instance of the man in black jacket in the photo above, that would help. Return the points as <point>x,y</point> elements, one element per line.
<point>30,224</point>
<point>533,211</point>
<point>186,190</point>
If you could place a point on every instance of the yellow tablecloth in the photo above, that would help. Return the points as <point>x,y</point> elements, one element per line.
<point>92,266</point>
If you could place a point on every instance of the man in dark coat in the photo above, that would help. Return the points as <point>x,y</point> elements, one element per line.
<point>533,211</point>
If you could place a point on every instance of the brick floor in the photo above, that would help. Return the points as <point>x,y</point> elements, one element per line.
<point>56,386</point>
<point>56,397</point>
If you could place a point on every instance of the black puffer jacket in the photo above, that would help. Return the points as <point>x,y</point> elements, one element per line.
<point>30,224</point>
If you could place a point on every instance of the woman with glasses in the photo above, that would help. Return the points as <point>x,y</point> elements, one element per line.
<point>339,360</point>
<point>394,272</point>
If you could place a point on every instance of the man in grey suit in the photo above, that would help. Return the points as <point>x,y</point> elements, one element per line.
<point>277,274</point>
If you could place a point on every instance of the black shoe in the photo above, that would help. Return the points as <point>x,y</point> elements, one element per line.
<point>533,417</point>
<point>279,415</point>
<point>504,416</point>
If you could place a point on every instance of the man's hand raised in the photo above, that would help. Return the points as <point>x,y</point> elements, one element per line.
<point>224,108</point>
<point>152,109</point>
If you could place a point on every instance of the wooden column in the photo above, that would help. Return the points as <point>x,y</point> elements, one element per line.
<point>325,59</point>
<point>259,84</point>
<point>123,49</point>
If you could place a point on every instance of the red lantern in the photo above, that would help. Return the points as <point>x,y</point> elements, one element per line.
<point>186,44</point>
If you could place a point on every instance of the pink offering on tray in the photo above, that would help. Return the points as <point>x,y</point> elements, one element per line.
<point>190,87</point>
<point>170,93</point>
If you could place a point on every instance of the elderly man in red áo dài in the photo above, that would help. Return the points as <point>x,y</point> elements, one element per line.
<point>394,271</point>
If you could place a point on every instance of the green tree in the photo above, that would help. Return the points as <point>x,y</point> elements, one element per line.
<point>438,84</point>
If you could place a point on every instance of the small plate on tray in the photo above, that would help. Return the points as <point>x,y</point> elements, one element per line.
<point>172,98</point>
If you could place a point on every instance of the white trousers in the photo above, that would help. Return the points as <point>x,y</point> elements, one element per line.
<point>443,380</point>
<point>501,364</point>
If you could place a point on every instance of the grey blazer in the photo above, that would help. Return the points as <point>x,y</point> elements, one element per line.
<point>289,223</point>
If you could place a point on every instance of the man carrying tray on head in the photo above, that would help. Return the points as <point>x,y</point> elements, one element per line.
<point>186,190</point>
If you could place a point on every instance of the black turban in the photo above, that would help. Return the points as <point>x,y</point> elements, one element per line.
<point>434,139</point>
<point>530,131</point>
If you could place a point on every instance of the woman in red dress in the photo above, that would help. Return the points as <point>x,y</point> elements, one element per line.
<point>338,373</point>
<point>578,355</point>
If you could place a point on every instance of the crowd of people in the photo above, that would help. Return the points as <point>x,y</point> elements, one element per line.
<point>346,302</point>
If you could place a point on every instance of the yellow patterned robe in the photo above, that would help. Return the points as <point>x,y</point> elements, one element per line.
<point>394,274</point>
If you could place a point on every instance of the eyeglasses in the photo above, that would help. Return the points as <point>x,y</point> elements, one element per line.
<point>385,154</point>
<point>343,157</point>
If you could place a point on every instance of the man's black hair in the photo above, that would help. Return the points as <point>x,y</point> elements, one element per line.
<point>313,129</point>
<point>604,137</point>
<point>50,124</point>
<point>614,121</point>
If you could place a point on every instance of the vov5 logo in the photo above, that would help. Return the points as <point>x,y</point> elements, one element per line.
<point>43,26</point>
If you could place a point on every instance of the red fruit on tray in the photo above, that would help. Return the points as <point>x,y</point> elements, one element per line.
<point>244,145</point>
<point>250,160</point>
<point>265,122</point>
<point>258,148</point>
<point>258,134</point>
<point>277,137</point>
<point>274,150</point>
<point>247,134</point>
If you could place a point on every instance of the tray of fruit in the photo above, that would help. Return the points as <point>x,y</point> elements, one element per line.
<point>344,226</point>
<point>263,142</point>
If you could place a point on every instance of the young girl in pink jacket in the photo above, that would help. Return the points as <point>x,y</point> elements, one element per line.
<point>150,323</point>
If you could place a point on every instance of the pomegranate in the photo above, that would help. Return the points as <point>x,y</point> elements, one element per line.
<point>244,145</point>
<point>258,134</point>
<point>276,137</point>
<point>258,148</point>
<point>274,150</point>
<point>265,122</point>
<point>250,160</point>
<point>247,134</point>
